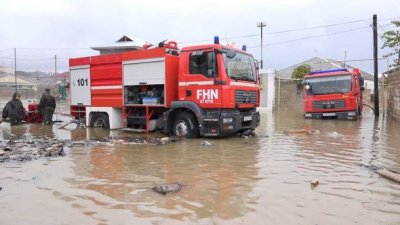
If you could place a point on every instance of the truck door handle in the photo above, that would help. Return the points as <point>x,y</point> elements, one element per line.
<point>219,82</point>
<point>188,93</point>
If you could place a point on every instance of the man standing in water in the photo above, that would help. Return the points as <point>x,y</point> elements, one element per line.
<point>14,110</point>
<point>47,105</point>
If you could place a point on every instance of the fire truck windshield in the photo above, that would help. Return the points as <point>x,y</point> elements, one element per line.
<point>239,66</point>
<point>328,84</point>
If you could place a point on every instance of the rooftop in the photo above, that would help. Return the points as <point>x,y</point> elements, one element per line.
<point>319,63</point>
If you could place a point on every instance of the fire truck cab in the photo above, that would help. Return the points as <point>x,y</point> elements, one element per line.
<point>204,90</point>
<point>335,93</point>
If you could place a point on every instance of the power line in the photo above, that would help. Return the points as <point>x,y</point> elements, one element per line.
<point>316,27</point>
<point>36,57</point>
<point>40,49</point>
<point>309,37</point>
<point>386,19</point>
<point>290,30</point>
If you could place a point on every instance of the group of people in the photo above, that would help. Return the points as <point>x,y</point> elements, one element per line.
<point>16,111</point>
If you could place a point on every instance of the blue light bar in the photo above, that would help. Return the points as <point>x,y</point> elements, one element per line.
<point>216,40</point>
<point>244,47</point>
<point>329,71</point>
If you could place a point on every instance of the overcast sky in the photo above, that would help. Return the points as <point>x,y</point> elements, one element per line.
<point>41,29</point>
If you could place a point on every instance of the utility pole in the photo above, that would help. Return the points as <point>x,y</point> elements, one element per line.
<point>15,69</point>
<point>344,62</point>
<point>376,86</point>
<point>261,25</point>
<point>55,65</point>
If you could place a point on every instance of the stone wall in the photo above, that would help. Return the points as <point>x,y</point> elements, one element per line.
<point>393,107</point>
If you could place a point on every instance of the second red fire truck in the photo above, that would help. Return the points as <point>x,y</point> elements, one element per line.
<point>335,93</point>
<point>204,90</point>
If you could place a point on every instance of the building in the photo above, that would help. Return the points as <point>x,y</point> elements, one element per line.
<point>6,70</point>
<point>123,44</point>
<point>25,88</point>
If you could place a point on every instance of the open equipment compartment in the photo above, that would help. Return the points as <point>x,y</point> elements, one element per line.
<point>144,94</point>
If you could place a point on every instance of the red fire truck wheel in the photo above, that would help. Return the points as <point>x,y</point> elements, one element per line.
<point>185,125</point>
<point>100,120</point>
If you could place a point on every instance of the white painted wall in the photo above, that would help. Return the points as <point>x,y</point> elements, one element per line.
<point>267,88</point>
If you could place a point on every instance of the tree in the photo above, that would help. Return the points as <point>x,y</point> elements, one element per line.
<point>392,41</point>
<point>300,71</point>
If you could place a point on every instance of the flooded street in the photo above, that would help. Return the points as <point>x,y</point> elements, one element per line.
<point>257,180</point>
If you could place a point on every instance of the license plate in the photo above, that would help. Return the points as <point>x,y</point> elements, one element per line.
<point>328,114</point>
<point>247,118</point>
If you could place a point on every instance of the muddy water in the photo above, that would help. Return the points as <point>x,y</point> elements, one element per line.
<point>261,180</point>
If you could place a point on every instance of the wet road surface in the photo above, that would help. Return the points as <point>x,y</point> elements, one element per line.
<point>257,180</point>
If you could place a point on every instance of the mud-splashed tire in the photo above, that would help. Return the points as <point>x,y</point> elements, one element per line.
<point>100,120</point>
<point>186,125</point>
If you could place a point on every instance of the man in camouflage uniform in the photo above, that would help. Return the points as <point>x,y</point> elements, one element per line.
<point>47,105</point>
<point>14,110</point>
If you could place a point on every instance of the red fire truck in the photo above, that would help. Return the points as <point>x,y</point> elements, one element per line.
<point>335,93</point>
<point>204,90</point>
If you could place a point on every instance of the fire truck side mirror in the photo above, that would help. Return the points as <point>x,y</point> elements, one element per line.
<point>230,54</point>
<point>362,81</point>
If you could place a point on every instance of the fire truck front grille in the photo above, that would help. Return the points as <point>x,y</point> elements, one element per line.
<point>329,104</point>
<point>245,97</point>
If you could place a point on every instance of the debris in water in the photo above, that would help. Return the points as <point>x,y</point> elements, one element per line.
<point>78,143</point>
<point>164,140</point>
<point>167,188</point>
<point>314,182</point>
<point>205,143</point>
<point>290,132</point>
<point>247,133</point>
<point>25,150</point>
<point>388,174</point>
<point>334,134</point>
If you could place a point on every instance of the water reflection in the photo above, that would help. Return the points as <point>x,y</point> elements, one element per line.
<point>39,130</point>
<point>218,180</point>
<point>13,132</point>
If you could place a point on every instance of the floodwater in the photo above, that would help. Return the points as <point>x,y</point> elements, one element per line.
<point>258,180</point>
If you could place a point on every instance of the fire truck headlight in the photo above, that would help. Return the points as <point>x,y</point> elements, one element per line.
<point>227,120</point>
<point>308,87</point>
<point>351,113</point>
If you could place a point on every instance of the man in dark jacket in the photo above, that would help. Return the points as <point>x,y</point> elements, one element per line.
<point>14,110</point>
<point>47,105</point>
